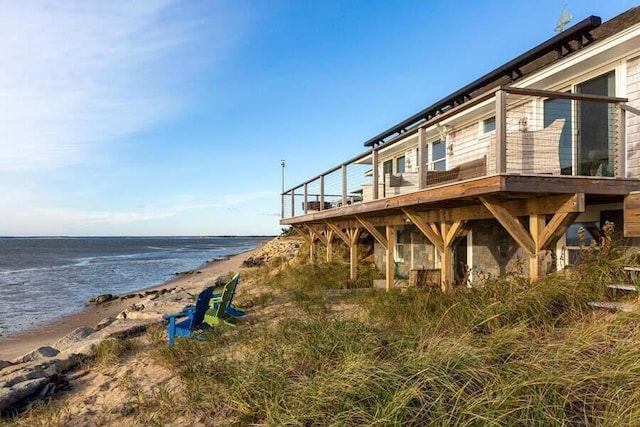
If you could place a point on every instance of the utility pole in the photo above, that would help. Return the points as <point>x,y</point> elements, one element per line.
<point>282,191</point>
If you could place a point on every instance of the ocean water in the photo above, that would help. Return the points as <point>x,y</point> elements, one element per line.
<point>45,278</point>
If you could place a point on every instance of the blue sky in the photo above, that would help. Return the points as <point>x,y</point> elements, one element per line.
<point>161,117</point>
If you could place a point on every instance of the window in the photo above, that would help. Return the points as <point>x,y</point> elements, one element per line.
<point>489,125</point>
<point>438,156</point>
<point>400,164</point>
<point>387,167</point>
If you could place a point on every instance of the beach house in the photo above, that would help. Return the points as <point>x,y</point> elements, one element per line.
<point>513,171</point>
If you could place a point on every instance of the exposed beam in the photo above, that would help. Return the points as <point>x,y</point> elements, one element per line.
<point>303,233</point>
<point>338,232</point>
<point>317,234</point>
<point>556,228</point>
<point>454,231</point>
<point>511,224</point>
<point>424,227</point>
<point>354,235</point>
<point>374,232</point>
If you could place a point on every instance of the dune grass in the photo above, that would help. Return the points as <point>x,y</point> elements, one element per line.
<point>511,353</point>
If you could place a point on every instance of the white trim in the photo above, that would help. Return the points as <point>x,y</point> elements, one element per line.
<point>470,258</point>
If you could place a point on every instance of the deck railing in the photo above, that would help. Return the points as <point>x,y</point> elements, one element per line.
<point>504,131</point>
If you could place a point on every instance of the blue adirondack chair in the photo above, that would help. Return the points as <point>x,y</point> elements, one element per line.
<point>194,320</point>
<point>230,308</point>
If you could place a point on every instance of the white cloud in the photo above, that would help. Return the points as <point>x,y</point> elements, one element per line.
<point>31,219</point>
<point>77,73</point>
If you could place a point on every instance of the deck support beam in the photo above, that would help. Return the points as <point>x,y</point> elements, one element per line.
<point>541,235</point>
<point>391,244</point>
<point>443,236</point>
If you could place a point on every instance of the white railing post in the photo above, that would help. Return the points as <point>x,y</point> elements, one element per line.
<point>282,197</point>
<point>501,132</point>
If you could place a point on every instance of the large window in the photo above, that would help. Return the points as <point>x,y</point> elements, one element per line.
<point>587,141</point>
<point>438,156</point>
<point>400,164</point>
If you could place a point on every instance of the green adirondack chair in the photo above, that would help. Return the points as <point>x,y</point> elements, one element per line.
<point>230,308</point>
<point>217,314</point>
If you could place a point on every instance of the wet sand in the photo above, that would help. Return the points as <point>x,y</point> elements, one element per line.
<point>13,346</point>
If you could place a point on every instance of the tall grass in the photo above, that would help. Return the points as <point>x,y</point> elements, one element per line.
<point>511,353</point>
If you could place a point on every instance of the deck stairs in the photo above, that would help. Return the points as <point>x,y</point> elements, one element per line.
<point>624,287</point>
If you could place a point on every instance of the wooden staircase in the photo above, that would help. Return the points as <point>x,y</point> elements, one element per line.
<point>624,287</point>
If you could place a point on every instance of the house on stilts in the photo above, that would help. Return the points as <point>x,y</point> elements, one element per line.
<point>502,172</point>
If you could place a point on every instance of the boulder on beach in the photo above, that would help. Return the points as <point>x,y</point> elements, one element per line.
<point>72,338</point>
<point>39,353</point>
<point>100,299</point>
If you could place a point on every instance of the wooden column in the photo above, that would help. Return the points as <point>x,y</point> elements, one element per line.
<point>374,170</point>
<point>350,238</point>
<point>501,132</point>
<point>422,162</point>
<point>329,245</point>
<point>306,198</point>
<point>390,270</point>
<point>344,185</point>
<point>621,170</point>
<point>321,192</point>
<point>536,225</point>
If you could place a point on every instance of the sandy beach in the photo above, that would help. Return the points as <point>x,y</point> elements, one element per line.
<point>16,345</point>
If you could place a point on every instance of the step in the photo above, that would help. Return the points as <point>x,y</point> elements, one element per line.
<point>616,306</point>
<point>623,287</point>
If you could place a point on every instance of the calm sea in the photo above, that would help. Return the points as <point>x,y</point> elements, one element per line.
<point>44,278</point>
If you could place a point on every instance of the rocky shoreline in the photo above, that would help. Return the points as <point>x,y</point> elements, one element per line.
<point>48,369</point>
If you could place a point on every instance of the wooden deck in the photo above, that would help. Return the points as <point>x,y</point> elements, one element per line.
<point>461,200</point>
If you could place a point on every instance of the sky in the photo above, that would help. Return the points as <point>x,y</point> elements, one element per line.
<point>163,117</point>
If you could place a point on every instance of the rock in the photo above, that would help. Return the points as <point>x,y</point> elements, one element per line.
<point>38,353</point>
<point>105,322</point>
<point>21,393</point>
<point>101,299</point>
<point>73,338</point>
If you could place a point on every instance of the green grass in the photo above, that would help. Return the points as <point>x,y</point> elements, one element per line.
<point>511,353</point>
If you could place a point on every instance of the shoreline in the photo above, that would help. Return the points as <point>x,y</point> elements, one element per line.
<point>20,343</point>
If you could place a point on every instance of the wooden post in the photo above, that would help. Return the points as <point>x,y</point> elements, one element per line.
<point>536,226</point>
<point>446,259</point>
<point>344,185</point>
<point>622,143</point>
<point>293,203</point>
<point>306,198</point>
<point>501,132</point>
<point>329,245</point>
<point>353,260</point>
<point>374,170</point>
<point>312,250</point>
<point>321,192</point>
<point>422,162</point>
<point>391,244</point>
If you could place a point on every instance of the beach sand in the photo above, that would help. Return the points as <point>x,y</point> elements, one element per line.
<point>14,346</point>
